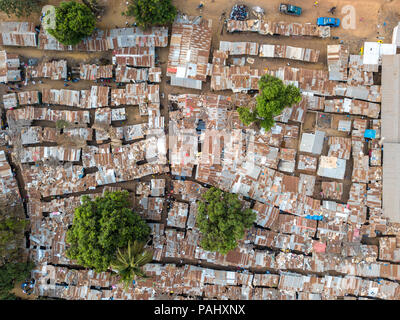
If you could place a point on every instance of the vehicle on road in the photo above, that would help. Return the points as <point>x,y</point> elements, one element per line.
<point>325,21</point>
<point>289,9</point>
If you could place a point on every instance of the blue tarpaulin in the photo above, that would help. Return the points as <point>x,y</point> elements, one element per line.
<point>370,134</point>
<point>318,218</point>
<point>201,126</point>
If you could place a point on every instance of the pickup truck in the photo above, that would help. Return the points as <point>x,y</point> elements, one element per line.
<point>325,21</point>
<point>290,9</point>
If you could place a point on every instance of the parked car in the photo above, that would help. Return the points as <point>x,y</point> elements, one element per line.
<point>289,9</point>
<point>325,21</point>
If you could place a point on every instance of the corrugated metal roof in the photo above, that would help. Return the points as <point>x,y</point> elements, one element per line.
<point>95,72</point>
<point>135,56</point>
<point>17,34</point>
<point>288,52</point>
<point>55,70</point>
<point>279,28</point>
<point>189,50</point>
<point>9,67</point>
<point>239,48</point>
<point>103,40</point>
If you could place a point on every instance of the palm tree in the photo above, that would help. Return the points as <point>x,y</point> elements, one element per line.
<point>130,260</point>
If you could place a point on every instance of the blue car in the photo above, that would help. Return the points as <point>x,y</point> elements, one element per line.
<point>325,21</point>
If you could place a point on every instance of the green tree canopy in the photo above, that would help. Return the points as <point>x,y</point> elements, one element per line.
<point>246,115</point>
<point>222,221</point>
<point>10,274</point>
<point>20,8</point>
<point>273,97</point>
<point>101,226</point>
<point>151,12</point>
<point>13,225</point>
<point>11,230</point>
<point>62,124</point>
<point>129,262</point>
<point>74,21</point>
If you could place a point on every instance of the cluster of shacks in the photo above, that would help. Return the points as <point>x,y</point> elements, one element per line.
<point>314,180</point>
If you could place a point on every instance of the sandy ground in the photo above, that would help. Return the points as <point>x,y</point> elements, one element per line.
<point>19,293</point>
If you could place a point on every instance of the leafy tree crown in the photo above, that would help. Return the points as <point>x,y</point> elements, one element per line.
<point>273,97</point>
<point>101,226</point>
<point>151,12</point>
<point>10,274</point>
<point>222,221</point>
<point>129,262</point>
<point>74,21</point>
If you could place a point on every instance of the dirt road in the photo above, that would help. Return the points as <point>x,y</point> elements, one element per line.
<point>372,19</point>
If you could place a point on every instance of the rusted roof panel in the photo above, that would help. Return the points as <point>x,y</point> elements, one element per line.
<point>17,34</point>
